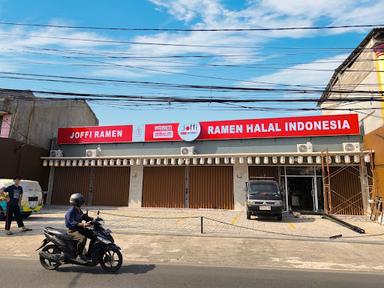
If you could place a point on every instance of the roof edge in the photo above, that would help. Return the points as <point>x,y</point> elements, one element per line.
<point>349,60</point>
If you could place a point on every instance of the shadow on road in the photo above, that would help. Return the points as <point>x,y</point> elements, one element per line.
<point>125,269</point>
<point>286,219</point>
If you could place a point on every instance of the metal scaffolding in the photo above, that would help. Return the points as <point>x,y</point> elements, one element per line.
<point>376,201</point>
<point>353,203</point>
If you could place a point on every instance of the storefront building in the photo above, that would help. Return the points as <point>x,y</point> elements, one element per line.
<point>361,75</point>
<point>316,160</point>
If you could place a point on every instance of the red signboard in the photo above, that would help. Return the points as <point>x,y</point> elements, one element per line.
<point>325,125</point>
<point>306,126</point>
<point>161,132</point>
<point>95,134</point>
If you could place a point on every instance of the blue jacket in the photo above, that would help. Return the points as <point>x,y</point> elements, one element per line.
<point>73,217</point>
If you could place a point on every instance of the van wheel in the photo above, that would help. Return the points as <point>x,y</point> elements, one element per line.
<point>280,217</point>
<point>249,215</point>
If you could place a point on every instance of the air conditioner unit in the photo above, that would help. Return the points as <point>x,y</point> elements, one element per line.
<point>305,148</point>
<point>92,153</point>
<point>187,150</point>
<point>351,147</point>
<point>56,153</point>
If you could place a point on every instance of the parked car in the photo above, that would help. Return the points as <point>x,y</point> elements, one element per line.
<point>264,198</point>
<point>32,200</point>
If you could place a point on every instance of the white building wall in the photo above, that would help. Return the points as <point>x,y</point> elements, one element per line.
<point>240,177</point>
<point>136,186</point>
<point>370,117</point>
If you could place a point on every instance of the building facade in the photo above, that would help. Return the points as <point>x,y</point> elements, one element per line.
<point>34,120</point>
<point>207,164</point>
<point>27,126</point>
<point>362,75</point>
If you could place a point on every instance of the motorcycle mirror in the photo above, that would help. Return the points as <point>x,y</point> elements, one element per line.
<point>98,212</point>
<point>86,212</point>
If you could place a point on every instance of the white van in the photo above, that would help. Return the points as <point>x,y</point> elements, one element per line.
<point>32,200</point>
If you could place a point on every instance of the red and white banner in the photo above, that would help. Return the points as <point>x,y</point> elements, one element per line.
<point>325,125</point>
<point>95,134</point>
<point>161,132</point>
<point>307,126</point>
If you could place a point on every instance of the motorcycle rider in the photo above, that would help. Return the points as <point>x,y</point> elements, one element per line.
<point>77,229</point>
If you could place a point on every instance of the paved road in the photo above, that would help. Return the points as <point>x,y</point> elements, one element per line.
<point>28,273</point>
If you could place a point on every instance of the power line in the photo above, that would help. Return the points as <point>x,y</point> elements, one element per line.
<point>156,85</point>
<point>286,28</point>
<point>179,99</point>
<point>137,105</point>
<point>110,41</point>
<point>58,78</point>
<point>257,67</point>
<point>208,76</point>
<point>128,55</point>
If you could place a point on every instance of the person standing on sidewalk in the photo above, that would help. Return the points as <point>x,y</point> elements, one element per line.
<point>14,195</point>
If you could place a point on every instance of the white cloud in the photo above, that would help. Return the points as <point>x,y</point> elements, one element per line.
<point>204,14</point>
<point>8,66</point>
<point>308,9</point>
<point>187,10</point>
<point>266,13</point>
<point>315,74</point>
<point>20,38</point>
<point>273,13</point>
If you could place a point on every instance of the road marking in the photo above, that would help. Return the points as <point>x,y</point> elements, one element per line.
<point>292,226</point>
<point>235,219</point>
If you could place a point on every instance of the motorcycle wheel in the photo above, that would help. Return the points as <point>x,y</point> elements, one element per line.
<point>49,264</point>
<point>111,260</point>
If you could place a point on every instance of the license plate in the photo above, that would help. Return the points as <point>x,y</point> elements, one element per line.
<point>33,204</point>
<point>265,208</point>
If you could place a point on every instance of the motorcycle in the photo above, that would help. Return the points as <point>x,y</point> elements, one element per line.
<point>59,248</point>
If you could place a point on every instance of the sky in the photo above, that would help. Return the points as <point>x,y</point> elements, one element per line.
<point>274,59</point>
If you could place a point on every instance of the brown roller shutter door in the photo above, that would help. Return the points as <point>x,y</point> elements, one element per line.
<point>111,186</point>
<point>67,181</point>
<point>346,191</point>
<point>164,187</point>
<point>263,171</point>
<point>211,187</point>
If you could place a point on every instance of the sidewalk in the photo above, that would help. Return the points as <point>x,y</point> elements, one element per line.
<point>218,223</point>
<point>162,236</point>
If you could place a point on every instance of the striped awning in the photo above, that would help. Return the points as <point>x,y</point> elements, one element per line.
<point>314,158</point>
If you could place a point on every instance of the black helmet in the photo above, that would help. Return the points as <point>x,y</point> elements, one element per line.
<point>77,199</point>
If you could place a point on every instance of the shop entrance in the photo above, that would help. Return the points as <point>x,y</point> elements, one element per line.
<point>303,188</point>
<point>301,193</point>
